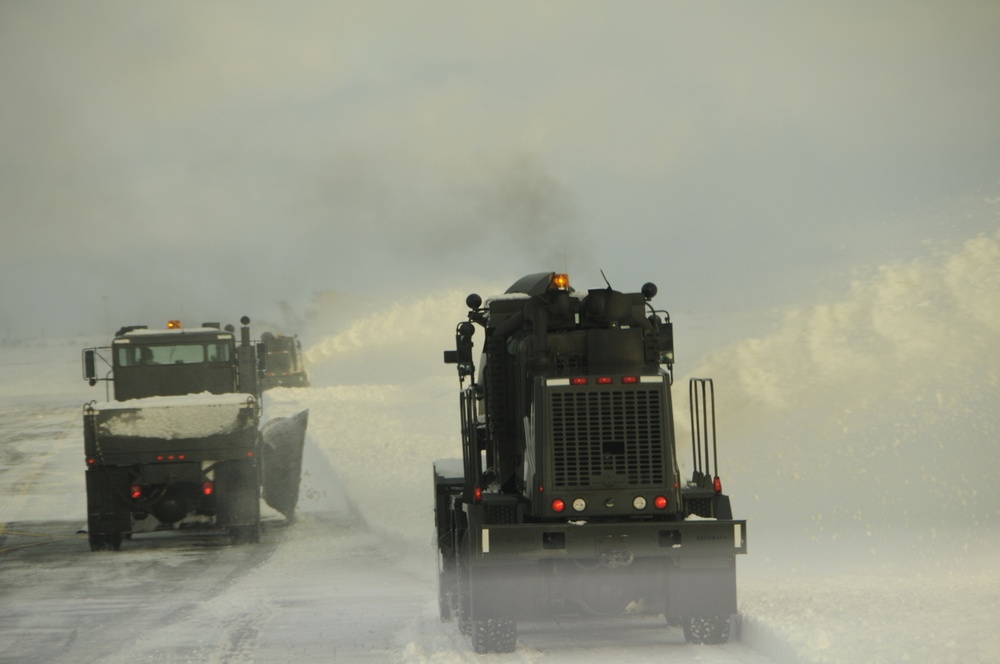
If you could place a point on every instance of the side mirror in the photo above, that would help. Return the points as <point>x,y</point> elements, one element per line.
<point>667,343</point>
<point>462,355</point>
<point>463,343</point>
<point>90,366</point>
<point>261,357</point>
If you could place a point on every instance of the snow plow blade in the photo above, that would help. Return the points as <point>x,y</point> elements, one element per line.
<point>283,440</point>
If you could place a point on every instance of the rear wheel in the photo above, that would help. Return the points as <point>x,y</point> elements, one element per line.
<point>446,596</point>
<point>494,635</point>
<point>245,534</point>
<point>710,631</point>
<point>463,596</point>
<point>105,541</point>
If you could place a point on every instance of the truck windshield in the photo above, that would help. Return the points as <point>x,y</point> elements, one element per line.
<point>133,356</point>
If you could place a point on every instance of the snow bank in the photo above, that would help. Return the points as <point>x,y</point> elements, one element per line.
<point>874,619</point>
<point>382,441</point>
<point>873,418</point>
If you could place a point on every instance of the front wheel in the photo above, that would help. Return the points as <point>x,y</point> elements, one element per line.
<point>710,631</point>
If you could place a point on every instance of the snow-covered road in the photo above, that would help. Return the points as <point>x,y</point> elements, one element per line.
<point>321,588</point>
<point>331,587</point>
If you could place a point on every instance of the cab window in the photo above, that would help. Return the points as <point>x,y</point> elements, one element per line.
<point>218,352</point>
<point>132,356</point>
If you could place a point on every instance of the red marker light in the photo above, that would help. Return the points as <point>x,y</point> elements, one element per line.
<point>605,380</point>
<point>578,381</point>
<point>135,492</point>
<point>558,505</point>
<point>629,380</point>
<point>717,485</point>
<point>207,488</point>
<point>477,494</point>
<point>660,502</point>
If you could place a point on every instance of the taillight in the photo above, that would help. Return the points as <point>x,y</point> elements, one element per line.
<point>604,380</point>
<point>717,485</point>
<point>208,487</point>
<point>660,502</point>
<point>477,494</point>
<point>558,505</point>
<point>135,492</point>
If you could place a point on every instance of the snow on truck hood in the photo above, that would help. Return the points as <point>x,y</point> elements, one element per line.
<point>174,417</point>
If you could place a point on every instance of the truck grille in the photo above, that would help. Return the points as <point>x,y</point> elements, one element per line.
<point>607,438</point>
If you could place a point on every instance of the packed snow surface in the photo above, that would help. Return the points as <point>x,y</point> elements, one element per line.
<point>174,417</point>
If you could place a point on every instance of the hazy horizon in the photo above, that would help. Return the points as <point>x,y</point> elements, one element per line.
<point>205,161</point>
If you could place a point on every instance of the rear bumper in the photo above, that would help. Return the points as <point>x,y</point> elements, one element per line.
<point>679,569</point>
<point>504,544</point>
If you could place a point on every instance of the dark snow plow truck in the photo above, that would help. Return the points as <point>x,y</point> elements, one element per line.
<point>180,441</point>
<point>568,498</point>
<point>285,364</point>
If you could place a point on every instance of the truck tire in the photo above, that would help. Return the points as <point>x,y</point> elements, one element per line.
<point>105,541</point>
<point>446,598</point>
<point>463,594</point>
<point>494,635</point>
<point>709,631</point>
<point>245,534</point>
<point>464,619</point>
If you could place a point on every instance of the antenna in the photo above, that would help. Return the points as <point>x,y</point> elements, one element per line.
<point>606,280</point>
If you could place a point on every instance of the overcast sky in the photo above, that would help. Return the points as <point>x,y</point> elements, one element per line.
<point>210,159</point>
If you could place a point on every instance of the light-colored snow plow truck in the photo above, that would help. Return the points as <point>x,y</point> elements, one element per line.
<point>568,498</point>
<point>179,442</point>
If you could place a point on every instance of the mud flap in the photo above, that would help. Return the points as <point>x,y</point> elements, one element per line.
<point>702,588</point>
<point>283,440</point>
<point>237,491</point>
<point>107,506</point>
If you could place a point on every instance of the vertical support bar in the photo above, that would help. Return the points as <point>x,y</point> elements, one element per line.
<point>701,393</point>
<point>471,455</point>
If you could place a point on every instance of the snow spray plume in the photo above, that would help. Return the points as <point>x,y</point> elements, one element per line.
<point>392,345</point>
<point>879,409</point>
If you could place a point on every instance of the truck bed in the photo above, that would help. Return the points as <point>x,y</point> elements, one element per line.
<point>199,426</point>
